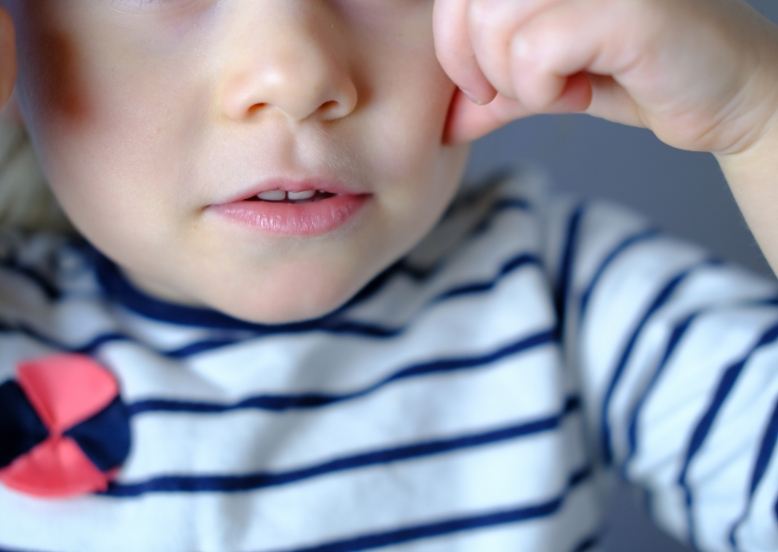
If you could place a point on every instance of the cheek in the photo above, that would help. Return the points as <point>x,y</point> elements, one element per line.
<point>125,150</point>
<point>87,86</point>
<point>410,139</point>
<point>50,87</point>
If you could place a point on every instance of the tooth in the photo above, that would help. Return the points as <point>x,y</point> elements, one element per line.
<point>308,194</point>
<point>274,195</point>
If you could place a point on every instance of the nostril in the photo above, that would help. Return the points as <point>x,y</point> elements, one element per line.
<point>331,109</point>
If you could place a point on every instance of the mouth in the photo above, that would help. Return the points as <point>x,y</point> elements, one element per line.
<point>281,190</point>
<point>281,196</point>
<point>294,208</point>
<point>294,217</point>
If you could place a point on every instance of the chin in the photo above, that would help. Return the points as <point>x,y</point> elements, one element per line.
<point>284,306</point>
<point>273,316</point>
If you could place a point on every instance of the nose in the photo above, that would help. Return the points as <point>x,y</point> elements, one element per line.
<point>289,57</point>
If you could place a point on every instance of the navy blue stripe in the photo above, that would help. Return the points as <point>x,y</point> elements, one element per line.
<point>364,329</point>
<point>249,482</point>
<point>40,281</point>
<point>500,204</point>
<point>29,331</point>
<point>775,509</point>
<point>489,188</point>
<point>760,467</point>
<point>509,266</point>
<point>469,193</point>
<point>727,382</point>
<point>118,289</point>
<point>33,275</point>
<point>648,500</point>
<point>765,451</point>
<point>330,325</point>
<point>676,336</point>
<point>588,543</point>
<point>452,525</point>
<point>564,278</point>
<point>643,235</point>
<point>88,348</point>
<point>663,297</point>
<point>280,402</point>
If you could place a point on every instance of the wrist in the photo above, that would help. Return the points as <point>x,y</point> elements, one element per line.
<point>763,148</point>
<point>761,90</point>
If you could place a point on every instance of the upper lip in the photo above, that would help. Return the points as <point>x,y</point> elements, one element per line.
<point>296,185</point>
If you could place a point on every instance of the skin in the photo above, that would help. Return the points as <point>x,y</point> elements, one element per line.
<point>142,117</point>
<point>700,74</point>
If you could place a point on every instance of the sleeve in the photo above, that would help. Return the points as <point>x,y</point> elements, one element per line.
<point>676,356</point>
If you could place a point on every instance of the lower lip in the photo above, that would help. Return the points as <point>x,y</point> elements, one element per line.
<point>312,218</point>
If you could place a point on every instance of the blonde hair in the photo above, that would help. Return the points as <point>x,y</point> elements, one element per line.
<point>26,202</point>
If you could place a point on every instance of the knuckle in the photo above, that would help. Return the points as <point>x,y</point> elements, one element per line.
<point>483,12</point>
<point>491,29</point>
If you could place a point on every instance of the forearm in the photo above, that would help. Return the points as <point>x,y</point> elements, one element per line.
<point>753,178</point>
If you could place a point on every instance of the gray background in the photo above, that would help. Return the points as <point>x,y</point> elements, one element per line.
<point>684,193</point>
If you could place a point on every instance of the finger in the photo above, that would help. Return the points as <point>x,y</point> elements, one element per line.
<point>568,38</point>
<point>611,101</point>
<point>604,97</point>
<point>492,25</point>
<point>468,122</point>
<point>453,48</point>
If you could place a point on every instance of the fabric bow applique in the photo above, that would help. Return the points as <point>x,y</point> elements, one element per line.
<point>64,430</point>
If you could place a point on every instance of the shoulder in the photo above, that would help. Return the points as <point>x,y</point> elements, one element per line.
<point>38,270</point>
<point>519,204</point>
<point>41,276</point>
<point>487,210</point>
<point>38,265</point>
<point>530,188</point>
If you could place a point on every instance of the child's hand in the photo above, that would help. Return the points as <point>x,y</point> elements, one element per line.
<point>701,74</point>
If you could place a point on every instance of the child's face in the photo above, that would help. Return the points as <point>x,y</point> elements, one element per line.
<point>145,113</point>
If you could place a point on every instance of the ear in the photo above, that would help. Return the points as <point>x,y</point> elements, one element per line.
<point>7,59</point>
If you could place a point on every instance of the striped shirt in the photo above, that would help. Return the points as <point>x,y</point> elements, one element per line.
<point>483,393</point>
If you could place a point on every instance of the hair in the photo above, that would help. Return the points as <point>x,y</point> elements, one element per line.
<point>26,202</point>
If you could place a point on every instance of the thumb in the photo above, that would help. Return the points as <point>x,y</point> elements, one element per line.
<point>7,57</point>
<point>468,121</point>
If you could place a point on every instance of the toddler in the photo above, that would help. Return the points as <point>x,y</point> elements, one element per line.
<point>254,308</point>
